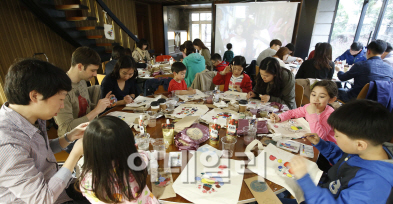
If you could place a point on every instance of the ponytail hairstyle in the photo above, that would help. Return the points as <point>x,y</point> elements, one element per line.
<point>198,42</point>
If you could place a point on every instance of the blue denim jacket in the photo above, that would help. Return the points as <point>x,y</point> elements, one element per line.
<point>353,59</point>
<point>364,72</point>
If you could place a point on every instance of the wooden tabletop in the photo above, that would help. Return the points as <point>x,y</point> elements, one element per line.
<point>245,194</point>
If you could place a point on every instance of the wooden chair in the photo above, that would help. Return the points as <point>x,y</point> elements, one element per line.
<point>160,90</point>
<point>362,94</point>
<point>299,91</point>
<point>256,70</point>
<point>165,75</point>
<point>222,88</point>
<point>364,91</point>
<point>103,66</point>
<point>100,77</point>
<point>162,58</point>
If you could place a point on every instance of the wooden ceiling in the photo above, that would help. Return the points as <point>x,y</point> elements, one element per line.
<point>174,2</point>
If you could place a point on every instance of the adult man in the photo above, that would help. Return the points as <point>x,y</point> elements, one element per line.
<point>269,52</point>
<point>117,52</point>
<point>28,169</point>
<point>364,72</point>
<point>387,56</point>
<point>79,103</point>
<point>291,58</point>
<point>355,54</point>
<point>217,62</point>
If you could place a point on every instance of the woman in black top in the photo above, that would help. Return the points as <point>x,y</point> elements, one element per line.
<point>122,81</point>
<point>319,67</point>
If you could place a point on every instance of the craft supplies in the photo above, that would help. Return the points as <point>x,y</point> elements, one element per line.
<point>155,106</point>
<point>307,150</point>
<point>289,145</point>
<point>242,106</point>
<point>214,130</point>
<point>168,133</point>
<point>232,127</point>
<point>162,103</point>
<point>141,123</point>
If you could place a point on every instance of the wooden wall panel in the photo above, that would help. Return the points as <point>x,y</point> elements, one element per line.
<point>23,35</point>
<point>124,11</point>
<point>157,22</point>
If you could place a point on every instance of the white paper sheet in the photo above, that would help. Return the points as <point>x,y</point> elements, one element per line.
<point>288,128</point>
<point>220,115</point>
<point>233,95</point>
<point>220,183</point>
<point>199,94</point>
<point>273,157</point>
<point>189,110</point>
<point>129,118</point>
<point>142,101</point>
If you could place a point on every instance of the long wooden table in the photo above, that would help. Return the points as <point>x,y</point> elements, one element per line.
<point>245,194</point>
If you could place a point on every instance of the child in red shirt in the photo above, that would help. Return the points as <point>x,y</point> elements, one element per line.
<point>177,83</point>
<point>217,62</point>
<point>233,76</point>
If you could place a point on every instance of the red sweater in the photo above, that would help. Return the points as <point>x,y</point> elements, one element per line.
<point>246,85</point>
<point>220,67</point>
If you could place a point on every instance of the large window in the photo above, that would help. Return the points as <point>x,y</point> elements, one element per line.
<point>358,20</point>
<point>201,27</point>
<point>386,29</point>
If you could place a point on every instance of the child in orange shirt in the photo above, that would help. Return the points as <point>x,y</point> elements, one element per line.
<point>177,83</point>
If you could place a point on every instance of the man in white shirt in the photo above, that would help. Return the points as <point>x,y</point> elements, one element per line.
<point>387,56</point>
<point>274,46</point>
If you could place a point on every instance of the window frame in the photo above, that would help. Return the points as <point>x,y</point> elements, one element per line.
<point>199,22</point>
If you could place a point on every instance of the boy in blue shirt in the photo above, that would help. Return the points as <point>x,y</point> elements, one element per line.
<point>362,159</point>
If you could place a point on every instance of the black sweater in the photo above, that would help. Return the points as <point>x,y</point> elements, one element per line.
<point>308,70</point>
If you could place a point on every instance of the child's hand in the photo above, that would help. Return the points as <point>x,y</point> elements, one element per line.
<point>312,108</point>
<point>312,137</point>
<point>227,70</point>
<point>274,117</point>
<point>237,87</point>
<point>193,91</point>
<point>250,95</point>
<point>298,167</point>
<point>265,98</point>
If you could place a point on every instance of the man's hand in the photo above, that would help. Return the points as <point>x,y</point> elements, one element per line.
<point>77,132</point>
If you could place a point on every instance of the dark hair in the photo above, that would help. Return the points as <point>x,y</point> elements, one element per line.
<point>181,47</point>
<point>27,75</point>
<point>86,56</point>
<point>117,52</point>
<point>363,119</point>
<point>356,46</point>
<point>229,46</point>
<point>178,67</point>
<point>142,42</point>
<point>124,62</point>
<point>127,51</point>
<point>291,47</point>
<point>323,56</point>
<point>275,42</point>
<point>388,47</point>
<point>330,86</point>
<point>216,57</point>
<point>272,66</point>
<point>377,47</point>
<point>189,47</point>
<point>316,45</point>
<point>239,60</point>
<point>199,43</point>
<point>281,52</point>
<point>110,166</point>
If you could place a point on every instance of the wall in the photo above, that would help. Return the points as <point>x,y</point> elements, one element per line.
<point>323,22</point>
<point>157,28</point>
<point>23,35</point>
<point>173,18</point>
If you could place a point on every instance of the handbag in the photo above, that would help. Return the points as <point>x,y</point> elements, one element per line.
<point>190,138</point>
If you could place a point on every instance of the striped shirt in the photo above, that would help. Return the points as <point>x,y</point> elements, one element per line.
<point>235,81</point>
<point>28,168</point>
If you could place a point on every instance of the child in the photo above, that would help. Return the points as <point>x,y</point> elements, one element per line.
<point>177,83</point>
<point>317,111</point>
<point>362,159</point>
<point>218,64</point>
<point>233,76</point>
<point>228,55</point>
<point>107,177</point>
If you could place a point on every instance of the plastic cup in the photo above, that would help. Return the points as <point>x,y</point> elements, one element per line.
<point>254,111</point>
<point>228,146</point>
<point>249,134</point>
<point>159,146</point>
<point>263,113</point>
<point>142,140</point>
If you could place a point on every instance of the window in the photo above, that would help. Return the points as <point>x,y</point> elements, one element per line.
<point>201,27</point>
<point>386,29</point>
<point>345,24</point>
<point>358,20</point>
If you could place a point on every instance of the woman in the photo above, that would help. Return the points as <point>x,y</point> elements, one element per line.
<point>282,55</point>
<point>194,62</point>
<point>141,54</point>
<point>204,51</point>
<point>122,81</point>
<point>319,67</point>
<point>274,84</point>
